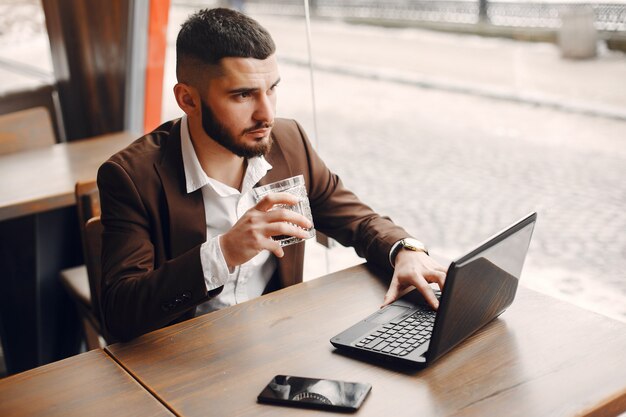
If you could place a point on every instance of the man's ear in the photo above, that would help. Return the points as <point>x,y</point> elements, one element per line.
<point>187,98</point>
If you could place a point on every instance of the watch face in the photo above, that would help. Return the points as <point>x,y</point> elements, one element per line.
<point>413,244</point>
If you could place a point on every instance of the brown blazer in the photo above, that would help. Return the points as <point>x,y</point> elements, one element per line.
<point>153,229</point>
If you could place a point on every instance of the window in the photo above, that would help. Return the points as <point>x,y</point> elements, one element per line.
<point>455,135</point>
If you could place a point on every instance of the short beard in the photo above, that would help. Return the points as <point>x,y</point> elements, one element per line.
<point>217,131</point>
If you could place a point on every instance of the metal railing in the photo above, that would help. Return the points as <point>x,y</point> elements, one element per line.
<point>609,17</point>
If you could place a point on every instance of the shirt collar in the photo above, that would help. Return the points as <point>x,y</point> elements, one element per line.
<point>196,178</point>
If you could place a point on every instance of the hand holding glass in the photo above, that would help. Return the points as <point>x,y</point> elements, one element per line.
<point>294,186</point>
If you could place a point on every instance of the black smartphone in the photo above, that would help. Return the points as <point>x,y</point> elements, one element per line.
<point>323,394</point>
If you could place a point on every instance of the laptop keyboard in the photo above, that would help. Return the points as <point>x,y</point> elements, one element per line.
<point>402,338</point>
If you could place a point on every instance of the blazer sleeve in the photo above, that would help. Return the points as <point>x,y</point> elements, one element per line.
<point>137,294</point>
<point>340,214</point>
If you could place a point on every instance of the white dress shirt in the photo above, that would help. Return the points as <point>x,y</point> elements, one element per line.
<point>223,206</point>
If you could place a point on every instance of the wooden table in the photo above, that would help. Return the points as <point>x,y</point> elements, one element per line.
<point>91,384</point>
<point>38,238</point>
<point>542,357</point>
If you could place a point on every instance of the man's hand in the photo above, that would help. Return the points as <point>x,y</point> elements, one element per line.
<point>254,230</point>
<point>415,269</point>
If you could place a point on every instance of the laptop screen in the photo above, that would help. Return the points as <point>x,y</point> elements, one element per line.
<point>481,286</point>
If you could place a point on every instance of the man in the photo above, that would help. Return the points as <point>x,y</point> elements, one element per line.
<point>181,234</point>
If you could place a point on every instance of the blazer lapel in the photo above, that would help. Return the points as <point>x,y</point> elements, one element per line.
<point>185,211</point>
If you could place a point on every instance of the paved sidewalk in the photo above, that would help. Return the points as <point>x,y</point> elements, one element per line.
<point>491,67</point>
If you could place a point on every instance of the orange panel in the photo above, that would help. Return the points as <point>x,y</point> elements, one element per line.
<point>157,43</point>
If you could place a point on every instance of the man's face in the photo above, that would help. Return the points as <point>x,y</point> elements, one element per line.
<point>239,104</point>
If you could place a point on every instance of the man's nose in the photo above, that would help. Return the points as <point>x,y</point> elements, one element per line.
<point>265,109</point>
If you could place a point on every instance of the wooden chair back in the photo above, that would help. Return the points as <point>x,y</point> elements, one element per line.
<point>88,209</point>
<point>93,248</point>
<point>87,201</point>
<point>25,129</point>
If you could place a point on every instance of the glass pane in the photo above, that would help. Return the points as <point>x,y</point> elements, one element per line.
<point>455,135</point>
<point>25,61</point>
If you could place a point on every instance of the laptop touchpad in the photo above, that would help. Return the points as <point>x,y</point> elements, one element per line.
<point>386,314</point>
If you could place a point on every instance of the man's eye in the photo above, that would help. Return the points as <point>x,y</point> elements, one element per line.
<point>244,94</point>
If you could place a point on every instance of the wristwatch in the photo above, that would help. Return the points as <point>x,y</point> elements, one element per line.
<point>407,243</point>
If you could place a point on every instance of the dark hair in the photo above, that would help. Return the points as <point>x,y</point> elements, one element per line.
<point>209,35</point>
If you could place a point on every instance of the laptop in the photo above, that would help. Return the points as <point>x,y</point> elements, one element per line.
<point>480,286</point>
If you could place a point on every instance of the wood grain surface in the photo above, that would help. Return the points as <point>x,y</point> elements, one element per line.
<point>90,384</point>
<point>25,129</point>
<point>43,179</point>
<point>542,357</point>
